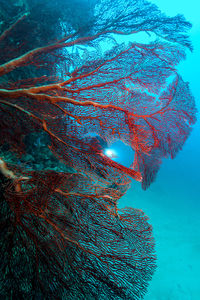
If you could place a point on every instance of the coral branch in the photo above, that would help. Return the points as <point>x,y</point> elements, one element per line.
<point>61,105</point>
<point>8,30</point>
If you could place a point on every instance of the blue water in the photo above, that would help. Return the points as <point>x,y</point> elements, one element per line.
<point>173,200</point>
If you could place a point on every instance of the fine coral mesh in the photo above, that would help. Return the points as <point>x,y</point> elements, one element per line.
<point>61,101</point>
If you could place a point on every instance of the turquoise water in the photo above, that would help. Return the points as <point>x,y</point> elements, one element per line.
<point>173,200</point>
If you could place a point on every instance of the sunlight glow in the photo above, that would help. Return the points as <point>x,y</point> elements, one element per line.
<point>110,153</point>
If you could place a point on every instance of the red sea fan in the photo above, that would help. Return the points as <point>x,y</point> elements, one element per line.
<point>62,235</point>
<point>73,243</point>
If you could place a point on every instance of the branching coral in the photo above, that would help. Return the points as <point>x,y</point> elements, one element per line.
<point>62,235</point>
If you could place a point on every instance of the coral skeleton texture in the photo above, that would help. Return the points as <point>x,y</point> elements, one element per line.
<point>61,99</point>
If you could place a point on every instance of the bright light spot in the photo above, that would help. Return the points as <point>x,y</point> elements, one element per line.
<point>110,153</point>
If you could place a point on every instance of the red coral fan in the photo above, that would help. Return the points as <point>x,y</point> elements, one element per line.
<point>65,242</point>
<point>62,235</point>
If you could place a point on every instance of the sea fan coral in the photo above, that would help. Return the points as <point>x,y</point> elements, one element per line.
<point>62,235</point>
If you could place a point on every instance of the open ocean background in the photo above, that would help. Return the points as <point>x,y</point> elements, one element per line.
<point>173,201</point>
